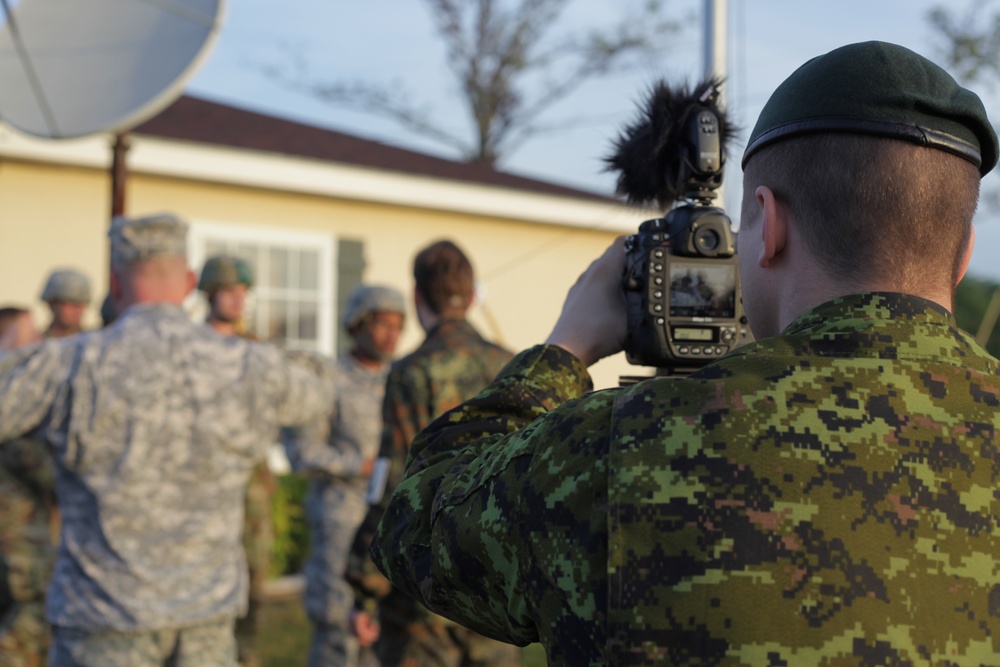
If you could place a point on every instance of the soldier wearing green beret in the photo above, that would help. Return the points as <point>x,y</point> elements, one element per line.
<point>823,496</point>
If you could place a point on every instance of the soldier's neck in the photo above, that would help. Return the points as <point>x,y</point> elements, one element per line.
<point>221,327</point>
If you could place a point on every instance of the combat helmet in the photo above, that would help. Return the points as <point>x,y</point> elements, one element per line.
<point>67,285</point>
<point>224,271</point>
<point>370,298</point>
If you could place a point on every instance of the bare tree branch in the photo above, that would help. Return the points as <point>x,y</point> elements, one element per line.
<point>496,50</point>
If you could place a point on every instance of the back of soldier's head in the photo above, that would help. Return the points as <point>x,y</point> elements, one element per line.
<point>9,316</point>
<point>877,154</point>
<point>444,278</point>
<point>149,259</point>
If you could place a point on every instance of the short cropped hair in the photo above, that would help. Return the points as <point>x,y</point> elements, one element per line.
<point>444,278</point>
<point>9,315</point>
<point>871,208</point>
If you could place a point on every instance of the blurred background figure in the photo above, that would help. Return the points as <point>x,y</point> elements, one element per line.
<point>452,364</point>
<point>17,328</point>
<point>67,293</point>
<point>28,526</point>
<point>225,280</point>
<point>337,455</point>
<point>152,484</point>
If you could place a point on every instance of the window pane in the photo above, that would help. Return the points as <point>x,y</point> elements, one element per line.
<point>279,268</point>
<point>308,321</point>
<point>249,252</point>
<point>277,321</point>
<point>213,248</point>
<point>309,269</point>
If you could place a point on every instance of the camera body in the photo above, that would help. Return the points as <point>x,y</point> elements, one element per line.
<point>682,290</point>
<point>681,281</point>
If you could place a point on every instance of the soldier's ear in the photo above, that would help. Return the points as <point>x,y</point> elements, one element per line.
<point>966,257</point>
<point>773,226</point>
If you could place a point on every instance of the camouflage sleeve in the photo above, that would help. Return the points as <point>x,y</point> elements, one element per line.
<point>303,384</point>
<point>494,492</point>
<point>29,384</point>
<point>309,451</point>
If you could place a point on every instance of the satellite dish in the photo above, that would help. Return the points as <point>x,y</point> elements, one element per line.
<point>70,68</point>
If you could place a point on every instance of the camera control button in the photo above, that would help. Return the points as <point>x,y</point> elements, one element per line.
<point>658,280</point>
<point>695,350</point>
<point>657,267</point>
<point>683,350</point>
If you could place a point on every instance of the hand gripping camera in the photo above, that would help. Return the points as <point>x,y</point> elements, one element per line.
<point>681,281</point>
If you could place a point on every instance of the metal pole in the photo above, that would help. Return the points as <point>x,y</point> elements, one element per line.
<point>119,173</point>
<point>716,40</point>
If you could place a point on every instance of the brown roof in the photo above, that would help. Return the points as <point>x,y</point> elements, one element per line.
<point>202,121</point>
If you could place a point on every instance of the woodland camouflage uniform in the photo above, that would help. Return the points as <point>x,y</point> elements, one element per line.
<point>452,364</point>
<point>27,517</point>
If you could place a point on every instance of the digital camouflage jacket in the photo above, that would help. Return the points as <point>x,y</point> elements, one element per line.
<point>828,496</point>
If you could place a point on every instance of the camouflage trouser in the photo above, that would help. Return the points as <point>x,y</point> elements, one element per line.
<point>258,538</point>
<point>27,556</point>
<point>437,645</point>
<point>24,636</point>
<point>334,514</point>
<point>210,645</point>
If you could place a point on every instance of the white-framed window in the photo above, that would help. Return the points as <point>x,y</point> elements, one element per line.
<point>293,299</point>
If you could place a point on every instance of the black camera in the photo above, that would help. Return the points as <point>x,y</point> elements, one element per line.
<point>681,281</point>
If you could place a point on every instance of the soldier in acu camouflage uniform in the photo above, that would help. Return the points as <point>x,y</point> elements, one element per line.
<point>27,515</point>
<point>155,424</point>
<point>67,293</point>
<point>337,456</point>
<point>450,366</point>
<point>824,496</point>
<point>225,282</point>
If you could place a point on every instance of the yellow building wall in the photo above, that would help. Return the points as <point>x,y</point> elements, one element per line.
<point>53,216</point>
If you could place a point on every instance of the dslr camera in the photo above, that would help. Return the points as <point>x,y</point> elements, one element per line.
<point>681,282</point>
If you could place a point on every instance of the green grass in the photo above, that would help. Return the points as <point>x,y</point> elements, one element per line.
<point>284,640</point>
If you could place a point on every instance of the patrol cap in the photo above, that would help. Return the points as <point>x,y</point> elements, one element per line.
<point>879,89</point>
<point>224,271</point>
<point>370,298</point>
<point>66,285</point>
<point>151,237</point>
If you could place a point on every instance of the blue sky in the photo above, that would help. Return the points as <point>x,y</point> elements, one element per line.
<point>392,42</point>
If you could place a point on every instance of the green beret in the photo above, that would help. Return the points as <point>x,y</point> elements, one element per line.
<point>879,89</point>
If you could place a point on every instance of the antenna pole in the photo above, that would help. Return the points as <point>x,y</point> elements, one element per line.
<point>716,18</point>
<point>119,173</point>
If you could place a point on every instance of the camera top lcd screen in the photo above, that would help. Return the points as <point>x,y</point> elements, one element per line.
<point>700,289</point>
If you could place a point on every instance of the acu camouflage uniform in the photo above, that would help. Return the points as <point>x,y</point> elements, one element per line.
<point>154,424</point>
<point>824,497</point>
<point>27,517</point>
<point>332,454</point>
<point>453,363</point>
<point>258,519</point>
